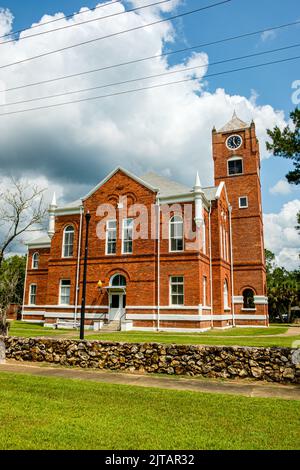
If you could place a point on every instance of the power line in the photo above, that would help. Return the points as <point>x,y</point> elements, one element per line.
<point>85,22</point>
<point>190,12</point>
<point>232,38</point>
<point>184,69</point>
<point>58,19</point>
<point>149,87</point>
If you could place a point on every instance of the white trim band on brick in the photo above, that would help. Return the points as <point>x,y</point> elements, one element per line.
<point>260,300</point>
<point>250,317</point>
<point>37,313</point>
<point>238,299</point>
<point>66,306</point>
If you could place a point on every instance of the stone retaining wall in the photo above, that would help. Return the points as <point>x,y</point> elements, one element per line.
<point>272,364</point>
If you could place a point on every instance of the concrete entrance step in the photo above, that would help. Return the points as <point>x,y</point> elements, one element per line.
<point>114,325</point>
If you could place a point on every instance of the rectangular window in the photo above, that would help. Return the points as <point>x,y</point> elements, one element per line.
<point>65,289</point>
<point>204,290</point>
<point>32,294</point>
<point>243,202</point>
<point>225,244</point>
<point>221,242</point>
<point>68,245</point>
<point>204,237</point>
<point>127,236</point>
<point>111,237</point>
<point>235,167</point>
<point>177,290</point>
<point>176,234</point>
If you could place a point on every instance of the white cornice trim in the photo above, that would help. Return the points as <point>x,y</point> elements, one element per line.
<point>32,245</point>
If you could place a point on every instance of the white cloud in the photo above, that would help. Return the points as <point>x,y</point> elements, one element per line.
<point>282,187</point>
<point>6,20</point>
<point>268,35</point>
<point>281,237</point>
<point>168,129</point>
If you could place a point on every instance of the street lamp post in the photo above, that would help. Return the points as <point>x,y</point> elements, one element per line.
<point>87,220</point>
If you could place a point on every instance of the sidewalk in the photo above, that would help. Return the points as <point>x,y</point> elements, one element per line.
<point>248,389</point>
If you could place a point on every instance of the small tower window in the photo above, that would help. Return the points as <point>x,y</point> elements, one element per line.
<point>243,202</point>
<point>225,295</point>
<point>235,166</point>
<point>248,297</point>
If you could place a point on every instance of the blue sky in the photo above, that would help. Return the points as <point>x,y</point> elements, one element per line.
<point>270,85</point>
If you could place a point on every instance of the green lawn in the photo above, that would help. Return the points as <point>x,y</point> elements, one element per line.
<point>230,337</point>
<point>50,413</point>
<point>169,338</point>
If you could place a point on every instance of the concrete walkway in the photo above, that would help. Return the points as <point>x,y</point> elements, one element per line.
<point>245,388</point>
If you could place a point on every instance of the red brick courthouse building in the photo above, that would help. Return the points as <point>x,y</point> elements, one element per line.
<point>161,255</point>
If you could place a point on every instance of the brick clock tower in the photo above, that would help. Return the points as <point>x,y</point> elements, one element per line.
<point>237,164</point>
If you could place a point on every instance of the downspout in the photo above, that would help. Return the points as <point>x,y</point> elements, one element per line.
<point>25,286</point>
<point>78,265</point>
<point>210,267</point>
<point>231,267</point>
<point>158,263</point>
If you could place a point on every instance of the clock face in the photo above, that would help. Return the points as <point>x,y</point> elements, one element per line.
<point>234,142</point>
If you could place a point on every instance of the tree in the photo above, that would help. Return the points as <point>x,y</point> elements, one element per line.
<point>283,289</point>
<point>12,276</point>
<point>21,210</point>
<point>286,144</point>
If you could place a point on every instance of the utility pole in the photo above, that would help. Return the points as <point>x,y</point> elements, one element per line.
<point>82,318</point>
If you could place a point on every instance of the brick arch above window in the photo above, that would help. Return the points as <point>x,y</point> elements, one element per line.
<point>247,287</point>
<point>131,198</point>
<point>114,271</point>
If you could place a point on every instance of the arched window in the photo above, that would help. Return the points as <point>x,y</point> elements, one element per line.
<point>235,166</point>
<point>248,297</point>
<point>35,261</point>
<point>225,293</point>
<point>118,281</point>
<point>68,242</point>
<point>176,233</point>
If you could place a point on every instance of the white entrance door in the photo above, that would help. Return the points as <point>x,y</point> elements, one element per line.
<point>116,306</point>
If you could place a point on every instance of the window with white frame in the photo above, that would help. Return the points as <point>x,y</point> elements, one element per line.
<point>235,166</point>
<point>111,237</point>
<point>64,292</point>
<point>225,292</point>
<point>127,236</point>
<point>68,242</point>
<point>204,237</point>
<point>177,290</point>
<point>225,243</point>
<point>221,242</point>
<point>243,202</point>
<point>32,294</point>
<point>176,233</point>
<point>204,301</point>
<point>35,261</point>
